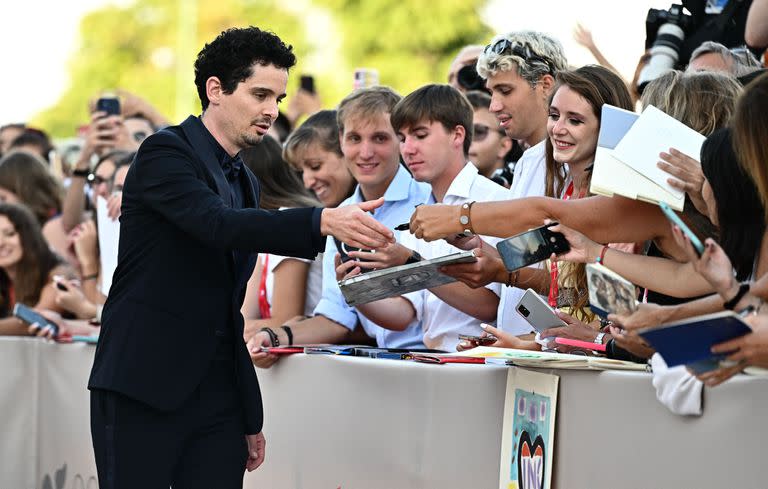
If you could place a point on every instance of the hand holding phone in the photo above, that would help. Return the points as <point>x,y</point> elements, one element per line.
<point>34,318</point>
<point>307,83</point>
<point>675,219</point>
<point>532,247</point>
<point>344,250</point>
<point>537,312</point>
<point>109,104</point>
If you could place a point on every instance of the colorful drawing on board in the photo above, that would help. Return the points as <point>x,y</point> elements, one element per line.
<point>531,439</point>
<point>529,430</point>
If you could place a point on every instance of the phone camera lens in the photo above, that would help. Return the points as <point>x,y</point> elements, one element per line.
<point>524,311</point>
<point>552,239</point>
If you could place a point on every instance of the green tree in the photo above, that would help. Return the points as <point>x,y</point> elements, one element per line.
<point>410,43</point>
<point>149,47</point>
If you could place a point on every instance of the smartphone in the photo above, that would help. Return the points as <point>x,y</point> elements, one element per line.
<point>537,312</point>
<point>480,340</point>
<point>30,316</point>
<point>345,249</point>
<point>675,219</point>
<point>531,247</point>
<point>308,83</point>
<point>109,104</point>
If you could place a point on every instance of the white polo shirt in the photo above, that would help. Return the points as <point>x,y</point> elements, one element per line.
<point>529,181</point>
<point>442,323</point>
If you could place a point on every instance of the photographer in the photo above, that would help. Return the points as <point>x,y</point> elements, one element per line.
<point>462,74</point>
<point>673,35</point>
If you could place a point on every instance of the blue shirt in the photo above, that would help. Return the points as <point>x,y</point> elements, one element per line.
<point>402,195</point>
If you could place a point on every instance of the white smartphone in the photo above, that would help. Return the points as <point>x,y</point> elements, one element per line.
<point>537,312</point>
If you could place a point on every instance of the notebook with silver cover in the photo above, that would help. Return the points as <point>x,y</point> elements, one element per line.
<point>395,281</point>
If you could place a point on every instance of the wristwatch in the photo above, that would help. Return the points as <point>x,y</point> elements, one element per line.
<point>414,258</point>
<point>599,338</point>
<point>81,172</point>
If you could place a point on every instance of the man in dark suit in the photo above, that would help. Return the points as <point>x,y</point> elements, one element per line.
<point>174,396</point>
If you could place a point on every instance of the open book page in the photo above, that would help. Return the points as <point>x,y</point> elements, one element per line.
<point>655,132</point>
<point>611,176</point>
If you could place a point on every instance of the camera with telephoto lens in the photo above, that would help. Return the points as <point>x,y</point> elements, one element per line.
<point>665,32</point>
<point>673,34</point>
<point>468,78</point>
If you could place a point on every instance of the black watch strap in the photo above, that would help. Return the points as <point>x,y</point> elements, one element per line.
<point>743,289</point>
<point>83,173</point>
<point>414,258</point>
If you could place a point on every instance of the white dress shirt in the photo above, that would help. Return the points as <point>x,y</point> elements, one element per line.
<point>441,322</point>
<point>529,181</point>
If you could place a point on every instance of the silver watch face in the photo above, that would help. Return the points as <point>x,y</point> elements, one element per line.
<point>464,220</point>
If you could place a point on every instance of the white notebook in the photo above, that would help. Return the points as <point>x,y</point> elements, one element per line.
<point>612,176</point>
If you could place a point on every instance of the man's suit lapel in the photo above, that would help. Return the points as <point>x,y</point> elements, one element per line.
<point>199,142</point>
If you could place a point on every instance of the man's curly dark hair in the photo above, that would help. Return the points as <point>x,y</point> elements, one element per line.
<point>230,58</point>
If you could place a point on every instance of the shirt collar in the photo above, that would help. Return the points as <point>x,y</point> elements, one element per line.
<point>462,184</point>
<point>397,189</point>
<point>230,165</point>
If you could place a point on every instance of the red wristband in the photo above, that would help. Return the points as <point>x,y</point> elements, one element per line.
<point>601,258</point>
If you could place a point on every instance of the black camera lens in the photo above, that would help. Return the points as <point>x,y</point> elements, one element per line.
<point>524,311</point>
<point>468,78</point>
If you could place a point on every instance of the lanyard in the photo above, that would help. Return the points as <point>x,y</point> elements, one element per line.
<point>264,308</point>
<point>553,270</point>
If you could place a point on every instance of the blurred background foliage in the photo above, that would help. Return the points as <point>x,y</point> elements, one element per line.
<point>148,47</point>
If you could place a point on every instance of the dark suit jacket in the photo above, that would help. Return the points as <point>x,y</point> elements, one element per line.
<point>175,281</point>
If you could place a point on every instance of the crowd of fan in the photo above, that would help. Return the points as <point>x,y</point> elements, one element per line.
<point>519,147</point>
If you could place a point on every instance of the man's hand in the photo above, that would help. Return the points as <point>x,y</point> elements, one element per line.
<point>353,225</point>
<point>345,269</point>
<point>390,255</point>
<point>478,274</point>
<point>431,222</point>
<point>256,448</point>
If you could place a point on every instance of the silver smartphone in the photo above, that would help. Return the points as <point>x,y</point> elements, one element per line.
<point>537,312</point>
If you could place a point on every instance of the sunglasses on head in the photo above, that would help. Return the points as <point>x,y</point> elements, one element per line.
<point>505,46</point>
<point>481,131</point>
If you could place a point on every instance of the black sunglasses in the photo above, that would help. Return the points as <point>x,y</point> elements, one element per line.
<point>505,46</point>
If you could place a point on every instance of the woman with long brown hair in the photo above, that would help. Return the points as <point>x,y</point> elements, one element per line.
<point>27,267</point>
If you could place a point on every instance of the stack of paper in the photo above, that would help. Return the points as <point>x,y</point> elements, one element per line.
<point>628,150</point>
<point>541,359</point>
